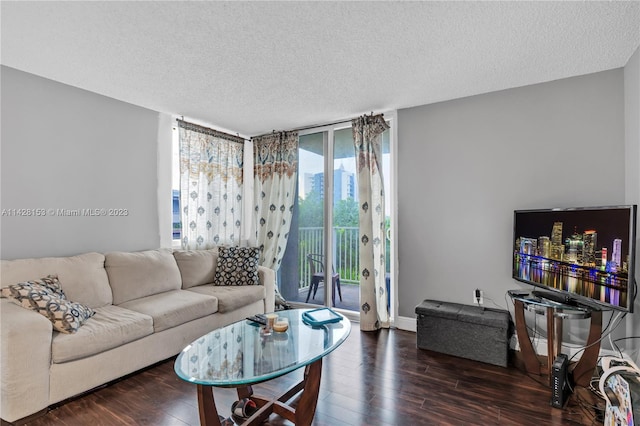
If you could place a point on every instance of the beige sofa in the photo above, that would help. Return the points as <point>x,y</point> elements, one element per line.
<point>149,305</point>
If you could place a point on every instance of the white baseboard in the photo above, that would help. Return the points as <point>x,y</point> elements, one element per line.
<point>406,323</point>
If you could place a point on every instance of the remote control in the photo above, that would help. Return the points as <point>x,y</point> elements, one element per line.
<point>259,318</point>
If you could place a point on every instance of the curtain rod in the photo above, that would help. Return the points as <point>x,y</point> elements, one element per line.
<point>210,131</point>
<point>237,136</point>
<point>313,127</point>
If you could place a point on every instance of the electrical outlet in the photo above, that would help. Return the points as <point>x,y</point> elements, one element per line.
<point>478,297</point>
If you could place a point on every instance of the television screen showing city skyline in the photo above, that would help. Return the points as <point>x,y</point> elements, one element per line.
<point>587,252</point>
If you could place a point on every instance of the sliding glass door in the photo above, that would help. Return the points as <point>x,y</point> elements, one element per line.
<point>324,234</point>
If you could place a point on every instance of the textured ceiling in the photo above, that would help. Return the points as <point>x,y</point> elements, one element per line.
<point>252,67</point>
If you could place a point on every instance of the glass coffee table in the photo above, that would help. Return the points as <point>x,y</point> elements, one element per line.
<point>241,355</point>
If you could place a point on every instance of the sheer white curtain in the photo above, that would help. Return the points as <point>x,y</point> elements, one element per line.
<point>275,174</point>
<point>367,131</point>
<point>211,191</point>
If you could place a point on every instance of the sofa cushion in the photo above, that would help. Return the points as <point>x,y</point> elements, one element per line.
<point>237,266</point>
<point>173,308</point>
<point>231,298</point>
<point>45,297</point>
<point>140,274</point>
<point>83,277</point>
<point>110,327</point>
<point>197,267</point>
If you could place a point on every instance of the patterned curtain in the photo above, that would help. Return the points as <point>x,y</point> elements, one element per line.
<point>367,131</point>
<point>275,174</point>
<point>210,186</point>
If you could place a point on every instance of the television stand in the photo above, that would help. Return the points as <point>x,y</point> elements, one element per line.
<point>556,313</point>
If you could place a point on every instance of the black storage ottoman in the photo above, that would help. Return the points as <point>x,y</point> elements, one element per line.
<point>466,331</point>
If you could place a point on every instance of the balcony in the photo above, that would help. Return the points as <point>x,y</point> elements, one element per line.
<point>345,263</point>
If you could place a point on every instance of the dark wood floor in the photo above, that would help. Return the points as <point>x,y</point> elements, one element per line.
<point>372,379</point>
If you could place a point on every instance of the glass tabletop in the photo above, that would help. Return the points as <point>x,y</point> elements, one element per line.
<point>240,354</point>
<point>539,306</point>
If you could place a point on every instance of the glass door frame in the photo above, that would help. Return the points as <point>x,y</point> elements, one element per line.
<point>328,149</point>
<point>328,153</point>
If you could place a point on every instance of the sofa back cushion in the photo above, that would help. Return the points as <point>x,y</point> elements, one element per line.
<point>83,278</point>
<point>133,275</point>
<point>197,267</point>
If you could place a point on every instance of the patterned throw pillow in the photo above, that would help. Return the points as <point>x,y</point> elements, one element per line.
<point>46,297</point>
<point>237,266</point>
<point>20,290</point>
<point>66,316</point>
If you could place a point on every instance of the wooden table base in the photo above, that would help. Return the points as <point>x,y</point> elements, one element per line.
<point>301,416</point>
<point>583,369</point>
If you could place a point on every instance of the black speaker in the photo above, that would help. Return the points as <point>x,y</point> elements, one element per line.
<point>559,382</point>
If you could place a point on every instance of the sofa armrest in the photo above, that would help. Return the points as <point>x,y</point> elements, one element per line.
<point>268,280</point>
<point>25,360</point>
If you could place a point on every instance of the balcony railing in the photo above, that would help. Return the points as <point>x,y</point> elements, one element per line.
<point>345,262</point>
<point>345,251</point>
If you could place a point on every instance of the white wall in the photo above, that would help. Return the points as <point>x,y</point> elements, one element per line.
<point>66,148</point>
<point>632,128</point>
<point>632,134</point>
<point>466,164</point>
<point>632,171</point>
<point>165,179</point>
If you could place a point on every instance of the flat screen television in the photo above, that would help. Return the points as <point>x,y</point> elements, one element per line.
<point>580,255</point>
